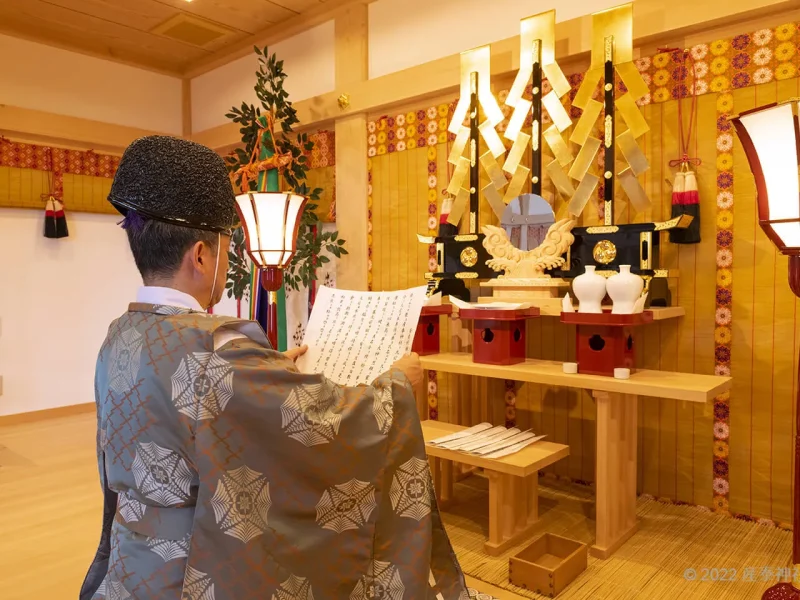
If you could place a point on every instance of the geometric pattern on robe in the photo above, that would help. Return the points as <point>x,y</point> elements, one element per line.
<point>229,475</point>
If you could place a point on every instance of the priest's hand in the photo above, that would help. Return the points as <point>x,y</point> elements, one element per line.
<point>295,353</point>
<point>412,368</point>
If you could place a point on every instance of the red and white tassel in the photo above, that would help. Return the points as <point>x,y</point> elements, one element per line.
<point>55,221</point>
<point>686,201</point>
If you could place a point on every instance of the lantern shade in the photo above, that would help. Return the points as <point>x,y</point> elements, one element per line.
<point>770,138</point>
<point>271,222</point>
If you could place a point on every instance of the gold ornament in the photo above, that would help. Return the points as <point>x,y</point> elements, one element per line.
<point>469,257</point>
<point>604,252</point>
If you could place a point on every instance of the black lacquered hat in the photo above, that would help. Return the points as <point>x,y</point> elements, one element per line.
<point>175,181</point>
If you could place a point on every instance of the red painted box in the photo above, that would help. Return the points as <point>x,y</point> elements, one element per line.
<point>605,342</point>
<point>498,336</point>
<point>426,337</point>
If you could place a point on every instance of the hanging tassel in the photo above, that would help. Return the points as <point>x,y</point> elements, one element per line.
<point>685,197</point>
<point>678,193</point>
<point>691,206</point>
<point>685,201</point>
<point>55,222</point>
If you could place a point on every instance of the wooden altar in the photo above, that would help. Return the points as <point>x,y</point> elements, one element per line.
<point>617,423</point>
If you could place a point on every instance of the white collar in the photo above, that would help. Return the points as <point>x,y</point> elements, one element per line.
<point>164,296</point>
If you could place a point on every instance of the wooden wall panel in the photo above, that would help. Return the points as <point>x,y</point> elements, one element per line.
<point>324,178</point>
<point>764,355</point>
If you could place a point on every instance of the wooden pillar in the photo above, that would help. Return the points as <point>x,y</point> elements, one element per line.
<point>351,149</point>
<point>616,471</point>
<point>186,108</point>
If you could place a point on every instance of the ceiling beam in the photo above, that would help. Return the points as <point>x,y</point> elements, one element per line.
<point>271,35</point>
<point>34,126</point>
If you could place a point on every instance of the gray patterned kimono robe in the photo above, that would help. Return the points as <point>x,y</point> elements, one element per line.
<point>228,475</point>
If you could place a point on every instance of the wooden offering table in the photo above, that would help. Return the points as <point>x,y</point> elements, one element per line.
<point>513,483</point>
<point>617,407</point>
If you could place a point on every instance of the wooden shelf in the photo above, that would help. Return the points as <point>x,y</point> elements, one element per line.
<point>521,464</point>
<point>551,307</point>
<point>658,384</point>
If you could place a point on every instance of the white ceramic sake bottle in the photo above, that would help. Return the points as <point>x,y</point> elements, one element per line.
<point>590,289</point>
<point>624,288</point>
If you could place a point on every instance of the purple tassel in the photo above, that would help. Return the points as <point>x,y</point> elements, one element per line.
<point>132,220</point>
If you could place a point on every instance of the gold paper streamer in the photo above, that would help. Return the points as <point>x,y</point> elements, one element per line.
<point>588,86</point>
<point>458,145</point>
<point>492,139</point>
<point>557,145</point>
<point>556,111</point>
<point>586,123</point>
<point>582,194</point>
<point>617,23</point>
<point>515,154</point>
<point>516,184</point>
<point>477,61</point>
<point>634,190</point>
<point>558,81</point>
<point>627,107</point>
<point>560,179</point>
<point>459,175</point>
<point>521,110</point>
<point>493,169</point>
<point>633,80</point>
<point>540,27</point>
<point>459,205</point>
<point>495,201</point>
<point>632,153</point>
<point>584,159</point>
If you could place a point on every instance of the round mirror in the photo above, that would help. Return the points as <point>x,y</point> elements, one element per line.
<point>526,220</point>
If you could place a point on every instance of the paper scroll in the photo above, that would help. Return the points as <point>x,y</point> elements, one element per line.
<point>353,337</point>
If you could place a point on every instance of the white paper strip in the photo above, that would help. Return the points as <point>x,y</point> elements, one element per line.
<point>353,337</point>
<point>435,300</point>
<point>495,305</point>
<point>489,433</point>
<point>512,441</point>
<point>504,435</point>
<point>515,448</point>
<point>462,434</point>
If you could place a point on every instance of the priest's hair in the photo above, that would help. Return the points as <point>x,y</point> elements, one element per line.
<point>158,248</point>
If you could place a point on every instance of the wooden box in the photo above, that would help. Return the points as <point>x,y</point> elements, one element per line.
<point>548,565</point>
<point>426,337</point>
<point>605,342</point>
<point>498,336</point>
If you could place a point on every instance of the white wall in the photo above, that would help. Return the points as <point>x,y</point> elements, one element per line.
<point>44,78</point>
<point>57,298</point>
<point>407,33</point>
<point>309,62</point>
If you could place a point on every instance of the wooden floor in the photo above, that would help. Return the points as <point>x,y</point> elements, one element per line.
<point>50,514</point>
<point>51,507</point>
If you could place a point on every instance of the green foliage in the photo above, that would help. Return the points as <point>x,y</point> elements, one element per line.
<point>274,100</point>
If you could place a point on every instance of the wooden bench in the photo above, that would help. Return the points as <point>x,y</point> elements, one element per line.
<point>513,483</point>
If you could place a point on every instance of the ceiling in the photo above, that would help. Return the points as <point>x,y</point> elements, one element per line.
<point>171,36</point>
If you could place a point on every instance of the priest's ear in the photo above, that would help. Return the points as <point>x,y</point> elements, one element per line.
<point>203,256</point>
